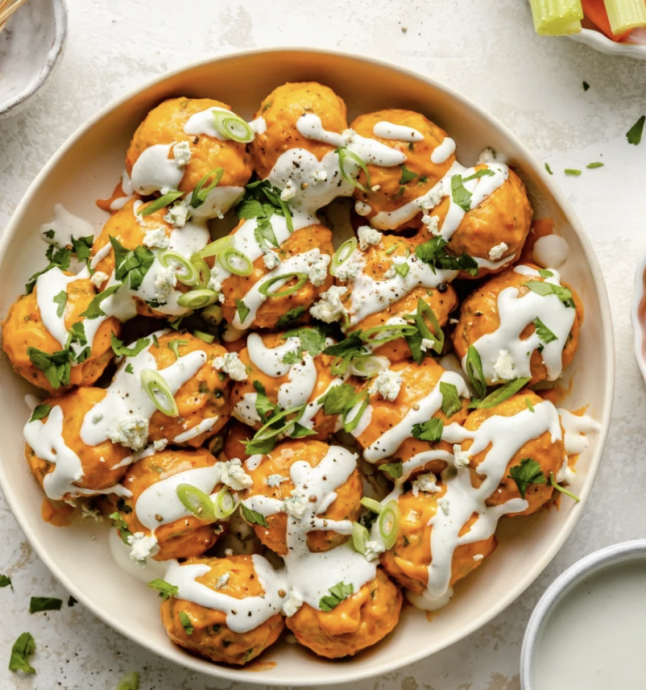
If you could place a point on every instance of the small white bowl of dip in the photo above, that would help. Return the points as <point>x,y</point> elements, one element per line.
<point>587,631</point>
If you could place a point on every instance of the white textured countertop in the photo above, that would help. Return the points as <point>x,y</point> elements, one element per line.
<point>487,51</point>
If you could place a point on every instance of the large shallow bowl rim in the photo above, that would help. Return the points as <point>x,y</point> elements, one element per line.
<point>574,574</point>
<point>597,41</point>
<point>60,33</point>
<point>376,668</point>
<point>638,327</point>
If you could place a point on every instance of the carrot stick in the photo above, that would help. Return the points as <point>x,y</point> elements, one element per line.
<point>595,11</point>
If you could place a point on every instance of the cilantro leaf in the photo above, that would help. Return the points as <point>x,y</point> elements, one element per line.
<point>264,233</point>
<point>461,195</point>
<point>393,469</point>
<point>423,332</point>
<point>22,649</point>
<point>451,403</point>
<point>165,590</point>
<point>545,289</point>
<point>94,310</point>
<point>186,622</point>
<point>121,525</point>
<point>253,517</point>
<point>81,246</point>
<point>61,300</point>
<point>544,332</point>
<point>528,472</point>
<point>402,268</point>
<point>289,318</point>
<point>40,412</point>
<point>428,431</point>
<point>634,134</point>
<point>340,592</point>
<point>345,351</point>
<point>39,604</point>
<point>122,350</point>
<point>58,258</point>
<point>338,399</point>
<point>264,407</point>
<point>243,310</point>
<point>5,581</point>
<point>132,264</point>
<point>407,175</point>
<point>312,341</point>
<point>544,273</point>
<point>434,254</point>
<point>55,366</point>
<point>70,602</point>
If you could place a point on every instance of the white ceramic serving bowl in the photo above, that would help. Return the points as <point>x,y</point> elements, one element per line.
<point>88,166</point>
<point>559,590</point>
<point>597,40</point>
<point>638,317</point>
<point>30,47</point>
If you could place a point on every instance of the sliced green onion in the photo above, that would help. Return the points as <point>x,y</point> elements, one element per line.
<point>371,504</point>
<point>215,247</point>
<point>159,392</point>
<point>200,193</point>
<point>350,426</point>
<point>557,17</point>
<point>196,299</point>
<point>162,202</point>
<point>389,523</point>
<point>203,271</point>
<point>213,314</point>
<point>344,153</point>
<point>225,504</point>
<point>475,371</point>
<point>206,337</point>
<point>342,254</point>
<point>188,276</point>
<point>563,490</point>
<point>360,536</point>
<point>398,330</point>
<point>264,288</point>
<point>625,15</point>
<point>195,500</point>
<point>501,394</point>
<point>368,365</point>
<point>227,258</point>
<point>437,335</point>
<point>232,126</point>
<point>269,431</point>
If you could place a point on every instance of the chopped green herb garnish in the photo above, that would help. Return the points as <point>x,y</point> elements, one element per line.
<point>544,332</point>
<point>243,310</point>
<point>129,368</point>
<point>549,170</point>
<point>500,394</point>
<point>289,318</point>
<point>572,171</point>
<point>131,264</point>
<point>252,516</point>
<point>558,487</point>
<point>528,472</point>
<point>174,346</point>
<point>121,525</point>
<point>393,469</point>
<point>122,350</point>
<point>165,589</point>
<point>55,366</point>
<point>634,134</point>
<point>81,246</point>
<point>594,165</point>
<point>186,622</point>
<point>5,581</point>
<point>475,371</point>
<point>22,649</point>
<point>402,268</point>
<point>545,289</point>
<point>586,86</point>
<point>58,258</point>
<point>428,431</point>
<point>39,604</point>
<point>340,592</point>
<point>61,300</point>
<point>528,402</point>
<point>163,201</point>
<point>434,253</point>
<point>451,403</point>
<point>129,682</point>
<point>407,175</point>
<point>94,310</point>
<point>40,412</point>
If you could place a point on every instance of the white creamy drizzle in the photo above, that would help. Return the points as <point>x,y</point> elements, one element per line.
<point>203,123</point>
<point>245,410</point>
<point>388,443</point>
<point>50,285</point>
<point>576,427</point>
<point>205,425</point>
<point>218,201</point>
<point>126,189</point>
<point>515,314</point>
<point>65,226</point>
<point>310,575</point>
<point>242,615</point>
<point>100,255</point>
<point>503,437</point>
<point>369,296</point>
<point>46,440</point>
<point>156,169</point>
<point>443,152</point>
<point>259,125</point>
<point>159,504</point>
<point>126,397</point>
<point>389,130</point>
<point>186,241</point>
<point>313,407</point>
<point>480,188</point>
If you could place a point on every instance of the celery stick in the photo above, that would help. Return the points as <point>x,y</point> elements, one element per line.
<point>557,17</point>
<point>625,15</point>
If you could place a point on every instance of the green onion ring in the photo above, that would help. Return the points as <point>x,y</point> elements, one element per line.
<point>226,257</point>
<point>225,504</point>
<point>203,271</point>
<point>342,254</point>
<point>215,247</point>
<point>196,299</point>
<point>232,126</point>
<point>401,331</point>
<point>371,505</point>
<point>189,276</point>
<point>344,153</point>
<point>360,536</point>
<point>197,502</point>
<point>264,288</point>
<point>350,426</point>
<point>206,337</point>
<point>267,431</point>
<point>388,522</point>
<point>368,366</point>
<point>159,392</point>
<point>213,314</point>
<point>200,193</point>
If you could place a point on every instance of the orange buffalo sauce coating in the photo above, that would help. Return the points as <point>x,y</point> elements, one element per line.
<point>204,396</point>
<point>165,125</point>
<point>323,424</point>
<point>234,441</point>
<point>549,454</point>
<point>388,191</point>
<point>23,328</point>
<point>541,227</point>
<point>410,557</point>
<point>184,538</point>
<point>358,622</point>
<point>236,287</point>
<point>281,111</point>
<point>211,638</point>
<point>479,316</point>
<point>418,380</point>
<point>278,462</point>
<point>99,462</point>
<point>56,513</point>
